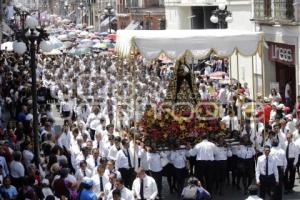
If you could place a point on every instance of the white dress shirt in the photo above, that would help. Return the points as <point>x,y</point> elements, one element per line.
<point>126,194</point>
<point>233,120</point>
<point>80,174</point>
<point>142,155</point>
<point>108,188</point>
<point>154,160</point>
<point>91,162</point>
<point>17,169</point>
<point>293,151</point>
<point>150,188</point>
<point>222,153</point>
<point>204,150</point>
<point>178,158</point>
<point>296,135</point>
<point>122,159</point>
<point>107,172</point>
<point>112,153</point>
<point>96,181</point>
<point>246,152</point>
<point>261,167</point>
<point>279,156</point>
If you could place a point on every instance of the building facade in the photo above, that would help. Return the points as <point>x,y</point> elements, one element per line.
<point>140,14</point>
<point>280,21</point>
<point>195,14</point>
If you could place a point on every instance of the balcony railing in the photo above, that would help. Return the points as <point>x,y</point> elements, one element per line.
<point>274,10</point>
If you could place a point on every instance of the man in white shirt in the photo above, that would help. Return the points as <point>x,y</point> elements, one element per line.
<point>27,154</point>
<point>100,181</point>
<point>144,187</point>
<point>231,121</point>
<point>126,194</point>
<point>155,167</point>
<point>279,156</point>
<point>83,171</point>
<point>292,155</point>
<point>266,173</point>
<point>124,163</point>
<point>178,159</point>
<point>205,152</point>
<point>17,170</point>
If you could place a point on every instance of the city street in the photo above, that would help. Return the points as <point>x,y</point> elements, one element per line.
<point>97,95</point>
<point>230,193</point>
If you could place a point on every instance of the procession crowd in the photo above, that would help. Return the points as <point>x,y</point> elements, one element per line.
<point>99,153</point>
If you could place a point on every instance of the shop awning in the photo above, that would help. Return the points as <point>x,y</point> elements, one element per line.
<point>200,43</point>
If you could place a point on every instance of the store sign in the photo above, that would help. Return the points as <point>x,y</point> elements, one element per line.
<point>282,53</point>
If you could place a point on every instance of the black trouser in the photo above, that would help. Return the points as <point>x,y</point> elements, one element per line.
<point>221,172</point>
<point>158,179</point>
<point>192,161</point>
<point>232,166</point>
<point>66,114</point>
<point>289,176</point>
<point>92,134</point>
<point>127,176</point>
<point>267,184</point>
<point>278,188</point>
<point>205,172</point>
<point>248,170</point>
<point>180,175</point>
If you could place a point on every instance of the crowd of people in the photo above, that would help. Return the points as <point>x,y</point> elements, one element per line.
<point>98,152</point>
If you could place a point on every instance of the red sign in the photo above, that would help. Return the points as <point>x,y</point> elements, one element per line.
<point>283,53</point>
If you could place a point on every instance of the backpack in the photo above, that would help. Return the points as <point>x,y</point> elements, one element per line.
<point>189,192</point>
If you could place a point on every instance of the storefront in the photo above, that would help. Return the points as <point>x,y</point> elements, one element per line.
<point>283,57</point>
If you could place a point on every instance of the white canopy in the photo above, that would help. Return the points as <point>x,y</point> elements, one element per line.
<point>175,43</point>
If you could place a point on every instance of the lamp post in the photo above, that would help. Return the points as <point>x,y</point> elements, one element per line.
<point>109,11</point>
<point>32,38</point>
<point>66,7</point>
<point>221,16</point>
<point>81,7</point>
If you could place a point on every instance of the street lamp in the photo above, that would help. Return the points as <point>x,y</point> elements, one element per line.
<point>109,11</point>
<point>81,7</point>
<point>221,16</point>
<point>32,38</point>
<point>66,7</point>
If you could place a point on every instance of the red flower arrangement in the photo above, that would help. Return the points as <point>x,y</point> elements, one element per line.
<point>182,125</point>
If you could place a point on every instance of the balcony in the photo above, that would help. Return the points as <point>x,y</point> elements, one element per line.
<point>274,11</point>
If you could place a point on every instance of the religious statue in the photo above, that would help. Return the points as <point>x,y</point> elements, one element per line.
<point>184,73</point>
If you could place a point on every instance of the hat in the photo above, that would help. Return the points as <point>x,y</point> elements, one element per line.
<point>88,181</point>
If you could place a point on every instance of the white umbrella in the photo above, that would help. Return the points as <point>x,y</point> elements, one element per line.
<point>84,34</point>
<point>53,52</point>
<point>7,46</point>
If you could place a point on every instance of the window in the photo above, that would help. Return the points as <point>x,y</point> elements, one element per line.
<point>262,9</point>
